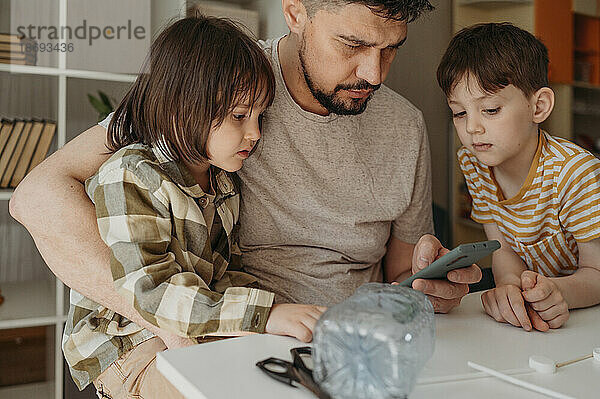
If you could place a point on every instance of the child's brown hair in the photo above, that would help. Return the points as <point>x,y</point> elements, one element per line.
<point>198,70</point>
<point>496,55</point>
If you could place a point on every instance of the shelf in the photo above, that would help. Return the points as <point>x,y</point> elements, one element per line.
<point>36,299</point>
<point>5,194</point>
<point>71,73</point>
<point>42,390</point>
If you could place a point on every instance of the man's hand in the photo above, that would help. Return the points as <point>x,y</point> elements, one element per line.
<point>444,295</point>
<point>506,305</point>
<point>295,320</point>
<point>545,298</point>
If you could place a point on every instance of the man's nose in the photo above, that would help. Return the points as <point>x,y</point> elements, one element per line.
<point>370,68</point>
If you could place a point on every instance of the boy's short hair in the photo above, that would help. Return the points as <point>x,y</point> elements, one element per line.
<point>399,10</point>
<point>496,55</point>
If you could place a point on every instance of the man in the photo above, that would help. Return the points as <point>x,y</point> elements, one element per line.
<point>338,193</point>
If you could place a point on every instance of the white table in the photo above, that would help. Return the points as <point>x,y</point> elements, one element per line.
<point>226,369</point>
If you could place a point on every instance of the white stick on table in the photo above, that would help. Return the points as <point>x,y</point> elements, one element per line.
<point>518,382</point>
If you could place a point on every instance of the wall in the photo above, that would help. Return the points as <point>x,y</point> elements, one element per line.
<point>413,76</point>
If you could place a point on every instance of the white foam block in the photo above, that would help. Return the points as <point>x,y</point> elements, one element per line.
<point>542,364</point>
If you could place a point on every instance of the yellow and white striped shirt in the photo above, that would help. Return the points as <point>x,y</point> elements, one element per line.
<point>557,206</point>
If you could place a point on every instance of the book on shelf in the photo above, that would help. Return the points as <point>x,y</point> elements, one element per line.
<point>9,148</point>
<point>16,155</point>
<point>11,47</point>
<point>43,145</point>
<point>10,38</point>
<point>23,145</point>
<point>5,129</point>
<point>18,50</point>
<point>27,154</point>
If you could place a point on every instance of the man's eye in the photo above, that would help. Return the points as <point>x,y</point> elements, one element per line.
<point>492,111</point>
<point>239,117</point>
<point>459,114</point>
<point>352,46</point>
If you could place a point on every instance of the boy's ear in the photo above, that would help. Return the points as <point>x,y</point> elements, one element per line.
<point>543,102</point>
<point>295,15</point>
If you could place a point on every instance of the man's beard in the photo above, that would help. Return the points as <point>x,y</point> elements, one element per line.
<point>328,100</point>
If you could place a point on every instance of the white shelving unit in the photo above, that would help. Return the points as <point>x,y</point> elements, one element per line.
<point>42,302</point>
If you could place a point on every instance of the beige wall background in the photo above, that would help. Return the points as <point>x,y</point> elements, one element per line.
<point>413,76</point>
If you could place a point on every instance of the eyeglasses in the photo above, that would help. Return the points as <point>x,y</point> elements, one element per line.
<point>295,371</point>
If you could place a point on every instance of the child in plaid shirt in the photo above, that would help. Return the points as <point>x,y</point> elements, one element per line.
<point>167,206</point>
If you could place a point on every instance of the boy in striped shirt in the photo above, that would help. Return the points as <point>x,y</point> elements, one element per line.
<point>537,194</point>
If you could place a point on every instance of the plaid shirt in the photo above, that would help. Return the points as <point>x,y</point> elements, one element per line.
<point>176,274</point>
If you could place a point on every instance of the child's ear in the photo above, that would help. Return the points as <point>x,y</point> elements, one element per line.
<point>543,102</point>
<point>295,15</point>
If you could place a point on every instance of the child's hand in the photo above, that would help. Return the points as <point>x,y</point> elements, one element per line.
<point>295,320</point>
<point>506,305</point>
<point>545,298</point>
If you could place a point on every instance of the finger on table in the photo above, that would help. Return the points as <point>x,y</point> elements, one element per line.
<point>536,321</point>
<point>507,311</point>
<point>517,305</point>
<point>490,305</point>
<point>548,302</point>
<point>559,321</point>
<point>554,311</point>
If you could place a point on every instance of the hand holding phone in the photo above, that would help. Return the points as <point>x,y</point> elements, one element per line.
<point>462,256</point>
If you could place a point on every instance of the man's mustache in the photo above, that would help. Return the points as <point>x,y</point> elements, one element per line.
<point>362,85</point>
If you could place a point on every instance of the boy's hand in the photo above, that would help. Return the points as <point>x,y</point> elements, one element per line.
<point>506,305</point>
<point>295,320</point>
<point>545,298</point>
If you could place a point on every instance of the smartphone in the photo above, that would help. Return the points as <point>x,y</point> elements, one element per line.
<point>462,256</point>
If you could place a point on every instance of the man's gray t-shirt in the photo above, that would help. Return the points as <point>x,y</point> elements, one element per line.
<point>322,194</point>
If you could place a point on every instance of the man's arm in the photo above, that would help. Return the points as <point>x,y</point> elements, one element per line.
<point>403,260</point>
<point>52,204</point>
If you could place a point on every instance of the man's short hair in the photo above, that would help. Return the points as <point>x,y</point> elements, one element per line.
<point>496,55</point>
<point>399,10</point>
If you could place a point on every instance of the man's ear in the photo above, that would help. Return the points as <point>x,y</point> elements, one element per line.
<point>543,102</point>
<point>295,15</point>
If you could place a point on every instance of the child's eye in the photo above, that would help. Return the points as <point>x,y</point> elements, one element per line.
<point>352,46</point>
<point>492,111</point>
<point>459,114</point>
